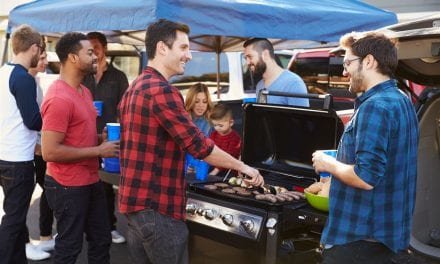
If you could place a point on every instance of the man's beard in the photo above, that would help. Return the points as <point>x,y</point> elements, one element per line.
<point>357,80</point>
<point>259,68</point>
<point>89,68</point>
<point>34,61</point>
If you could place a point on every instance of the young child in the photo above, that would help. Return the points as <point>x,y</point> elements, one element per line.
<point>223,135</point>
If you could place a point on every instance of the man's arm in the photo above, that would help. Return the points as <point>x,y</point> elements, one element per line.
<point>342,171</point>
<point>220,158</point>
<point>25,93</point>
<point>54,150</point>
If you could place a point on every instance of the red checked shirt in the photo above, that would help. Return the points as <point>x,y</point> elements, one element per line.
<point>231,143</point>
<point>155,133</point>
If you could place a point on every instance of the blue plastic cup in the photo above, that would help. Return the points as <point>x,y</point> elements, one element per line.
<point>330,152</point>
<point>249,100</point>
<point>189,161</point>
<point>98,106</point>
<point>113,131</point>
<point>201,168</point>
<point>111,165</point>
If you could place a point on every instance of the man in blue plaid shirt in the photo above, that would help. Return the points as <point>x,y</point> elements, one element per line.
<point>372,192</point>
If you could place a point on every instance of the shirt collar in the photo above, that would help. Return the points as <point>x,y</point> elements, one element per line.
<point>391,83</point>
<point>152,70</point>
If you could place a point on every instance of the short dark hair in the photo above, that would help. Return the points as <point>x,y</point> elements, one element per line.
<point>99,36</point>
<point>162,30</point>
<point>69,43</point>
<point>382,48</point>
<point>220,111</point>
<point>260,44</point>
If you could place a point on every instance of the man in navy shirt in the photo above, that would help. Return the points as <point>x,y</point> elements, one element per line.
<point>20,120</point>
<point>372,193</point>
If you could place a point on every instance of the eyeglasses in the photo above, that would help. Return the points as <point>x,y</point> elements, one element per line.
<point>39,46</point>
<point>347,63</point>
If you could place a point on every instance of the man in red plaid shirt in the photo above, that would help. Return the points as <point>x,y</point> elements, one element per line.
<point>156,131</point>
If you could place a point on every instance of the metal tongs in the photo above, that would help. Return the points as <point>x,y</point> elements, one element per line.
<point>227,174</point>
<point>270,188</point>
<point>264,188</point>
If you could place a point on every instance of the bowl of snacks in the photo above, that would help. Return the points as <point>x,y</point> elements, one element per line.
<point>317,195</point>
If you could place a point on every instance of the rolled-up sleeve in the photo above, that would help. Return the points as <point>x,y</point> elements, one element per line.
<point>372,131</point>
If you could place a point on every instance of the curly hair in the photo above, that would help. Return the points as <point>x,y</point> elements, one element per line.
<point>382,48</point>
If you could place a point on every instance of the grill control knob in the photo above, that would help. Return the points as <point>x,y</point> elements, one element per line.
<point>248,225</point>
<point>228,219</point>
<point>200,211</point>
<point>210,214</point>
<point>191,208</point>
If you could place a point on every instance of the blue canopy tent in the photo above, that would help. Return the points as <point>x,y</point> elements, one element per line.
<point>216,25</point>
<point>322,21</point>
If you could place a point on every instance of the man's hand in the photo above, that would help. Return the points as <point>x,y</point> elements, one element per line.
<point>255,177</point>
<point>322,162</point>
<point>109,149</point>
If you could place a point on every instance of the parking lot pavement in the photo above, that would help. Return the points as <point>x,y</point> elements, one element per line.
<point>118,252</point>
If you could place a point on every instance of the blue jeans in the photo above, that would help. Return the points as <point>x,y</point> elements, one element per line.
<point>358,252</point>
<point>79,210</point>
<point>156,238</point>
<point>17,180</point>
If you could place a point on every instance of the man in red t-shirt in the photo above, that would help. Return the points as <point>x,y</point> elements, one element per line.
<point>70,147</point>
<point>223,135</point>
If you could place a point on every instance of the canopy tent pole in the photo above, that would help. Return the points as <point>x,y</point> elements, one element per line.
<point>5,49</point>
<point>218,75</point>
<point>217,52</point>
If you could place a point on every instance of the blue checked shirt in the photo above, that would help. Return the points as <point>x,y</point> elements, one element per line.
<point>381,141</point>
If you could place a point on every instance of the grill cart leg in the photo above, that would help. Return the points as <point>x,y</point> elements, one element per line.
<point>272,238</point>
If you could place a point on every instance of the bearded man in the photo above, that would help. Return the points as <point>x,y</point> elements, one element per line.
<point>260,58</point>
<point>374,176</point>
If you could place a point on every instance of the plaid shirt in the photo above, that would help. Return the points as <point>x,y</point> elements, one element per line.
<point>381,141</point>
<point>155,133</point>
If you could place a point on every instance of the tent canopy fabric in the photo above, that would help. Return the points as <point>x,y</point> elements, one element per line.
<point>216,25</point>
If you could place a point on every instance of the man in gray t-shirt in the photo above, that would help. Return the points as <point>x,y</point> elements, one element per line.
<point>260,57</point>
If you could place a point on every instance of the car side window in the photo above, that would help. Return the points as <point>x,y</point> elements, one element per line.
<point>203,68</point>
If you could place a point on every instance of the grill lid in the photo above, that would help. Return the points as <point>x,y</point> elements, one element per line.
<point>281,139</point>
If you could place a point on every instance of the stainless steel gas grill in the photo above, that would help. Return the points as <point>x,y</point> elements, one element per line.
<point>279,141</point>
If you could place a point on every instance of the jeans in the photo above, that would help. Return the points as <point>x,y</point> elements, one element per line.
<point>110,196</point>
<point>156,238</point>
<point>17,180</point>
<point>358,252</point>
<point>46,214</point>
<point>79,210</point>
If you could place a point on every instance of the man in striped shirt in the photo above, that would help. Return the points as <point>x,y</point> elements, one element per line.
<point>372,193</point>
<point>156,131</point>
